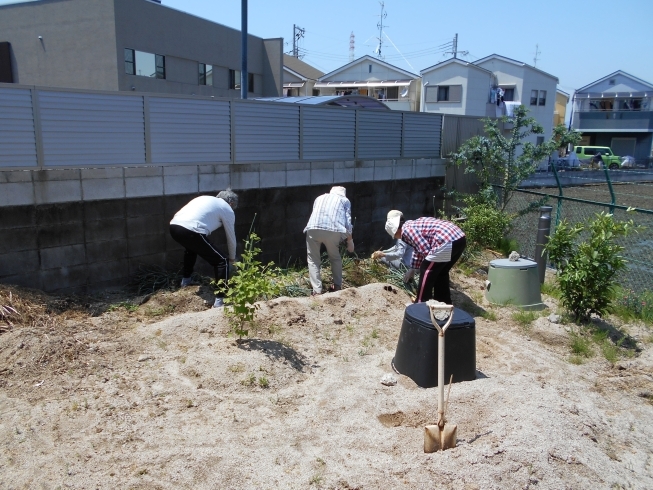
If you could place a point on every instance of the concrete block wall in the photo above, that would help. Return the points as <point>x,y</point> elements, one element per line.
<point>74,230</point>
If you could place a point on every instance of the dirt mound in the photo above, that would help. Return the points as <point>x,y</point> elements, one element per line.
<point>155,392</point>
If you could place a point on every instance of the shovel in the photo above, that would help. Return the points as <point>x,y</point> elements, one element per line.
<point>440,436</point>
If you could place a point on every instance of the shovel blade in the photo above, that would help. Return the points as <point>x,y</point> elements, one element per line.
<point>436,439</point>
<point>431,439</point>
<point>449,433</point>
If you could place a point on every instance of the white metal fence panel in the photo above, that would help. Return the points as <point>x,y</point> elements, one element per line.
<point>379,134</point>
<point>266,132</point>
<point>17,137</point>
<point>91,129</point>
<point>422,135</point>
<point>328,134</point>
<point>189,131</point>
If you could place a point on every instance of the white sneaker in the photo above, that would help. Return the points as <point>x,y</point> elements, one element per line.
<point>186,281</point>
<point>219,303</point>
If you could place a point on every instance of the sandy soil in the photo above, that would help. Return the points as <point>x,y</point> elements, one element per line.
<point>162,396</point>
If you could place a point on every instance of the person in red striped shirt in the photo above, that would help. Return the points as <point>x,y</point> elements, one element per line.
<point>437,243</point>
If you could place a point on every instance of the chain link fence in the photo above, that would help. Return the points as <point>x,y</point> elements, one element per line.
<point>577,197</point>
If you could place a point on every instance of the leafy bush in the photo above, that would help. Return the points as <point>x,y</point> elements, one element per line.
<point>484,225</point>
<point>587,270</point>
<point>252,282</point>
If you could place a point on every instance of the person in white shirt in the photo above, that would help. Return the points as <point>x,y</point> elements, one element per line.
<point>329,224</point>
<point>191,227</point>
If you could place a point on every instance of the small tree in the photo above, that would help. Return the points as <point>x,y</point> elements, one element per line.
<point>252,282</point>
<point>587,270</point>
<point>508,160</point>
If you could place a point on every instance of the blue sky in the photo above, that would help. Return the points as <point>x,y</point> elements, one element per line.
<point>579,41</point>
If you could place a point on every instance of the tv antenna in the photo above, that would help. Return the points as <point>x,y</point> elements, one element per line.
<point>537,53</point>
<point>383,15</point>
<point>351,46</point>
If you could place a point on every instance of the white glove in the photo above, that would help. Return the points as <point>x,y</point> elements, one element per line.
<point>408,276</point>
<point>350,246</point>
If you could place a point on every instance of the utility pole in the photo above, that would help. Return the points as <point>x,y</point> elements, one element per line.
<point>243,56</point>
<point>297,34</point>
<point>454,47</point>
<point>537,53</point>
<point>383,15</point>
<point>351,46</point>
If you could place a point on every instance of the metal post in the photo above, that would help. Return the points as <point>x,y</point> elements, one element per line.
<point>243,65</point>
<point>543,232</point>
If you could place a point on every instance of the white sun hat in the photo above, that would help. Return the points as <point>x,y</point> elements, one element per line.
<point>392,224</point>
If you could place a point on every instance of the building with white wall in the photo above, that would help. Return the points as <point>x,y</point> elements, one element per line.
<point>616,111</point>
<point>458,87</point>
<point>533,88</point>
<point>398,89</point>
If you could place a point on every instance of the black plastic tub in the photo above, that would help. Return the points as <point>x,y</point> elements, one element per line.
<point>417,349</point>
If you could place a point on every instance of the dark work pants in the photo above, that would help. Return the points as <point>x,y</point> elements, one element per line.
<point>434,276</point>
<point>198,244</point>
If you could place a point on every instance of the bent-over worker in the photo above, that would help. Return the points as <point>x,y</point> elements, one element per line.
<point>329,224</point>
<point>437,244</point>
<point>191,227</point>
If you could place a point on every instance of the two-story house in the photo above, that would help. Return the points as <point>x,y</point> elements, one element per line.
<point>490,87</point>
<point>397,88</point>
<point>127,45</point>
<point>616,111</point>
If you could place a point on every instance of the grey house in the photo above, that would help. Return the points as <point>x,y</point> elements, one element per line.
<point>298,77</point>
<point>616,111</point>
<point>129,45</point>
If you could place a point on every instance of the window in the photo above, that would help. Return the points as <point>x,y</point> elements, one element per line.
<point>601,104</point>
<point>540,140</point>
<point>386,93</point>
<point>205,74</point>
<point>509,94</point>
<point>144,64</point>
<point>129,62</point>
<point>631,104</point>
<point>542,97</point>
<point>316,91</point>
<point>234,80</point>
<point>450,93</point>
<point>533,97</point>
<point>369,68</point>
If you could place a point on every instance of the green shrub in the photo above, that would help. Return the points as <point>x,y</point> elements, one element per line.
<point>507,245</point>
<point>252,282</point>
<point>587,269</point>
<point>484,225</point>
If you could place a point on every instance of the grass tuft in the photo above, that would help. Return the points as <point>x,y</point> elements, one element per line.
<point>525,318</point>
